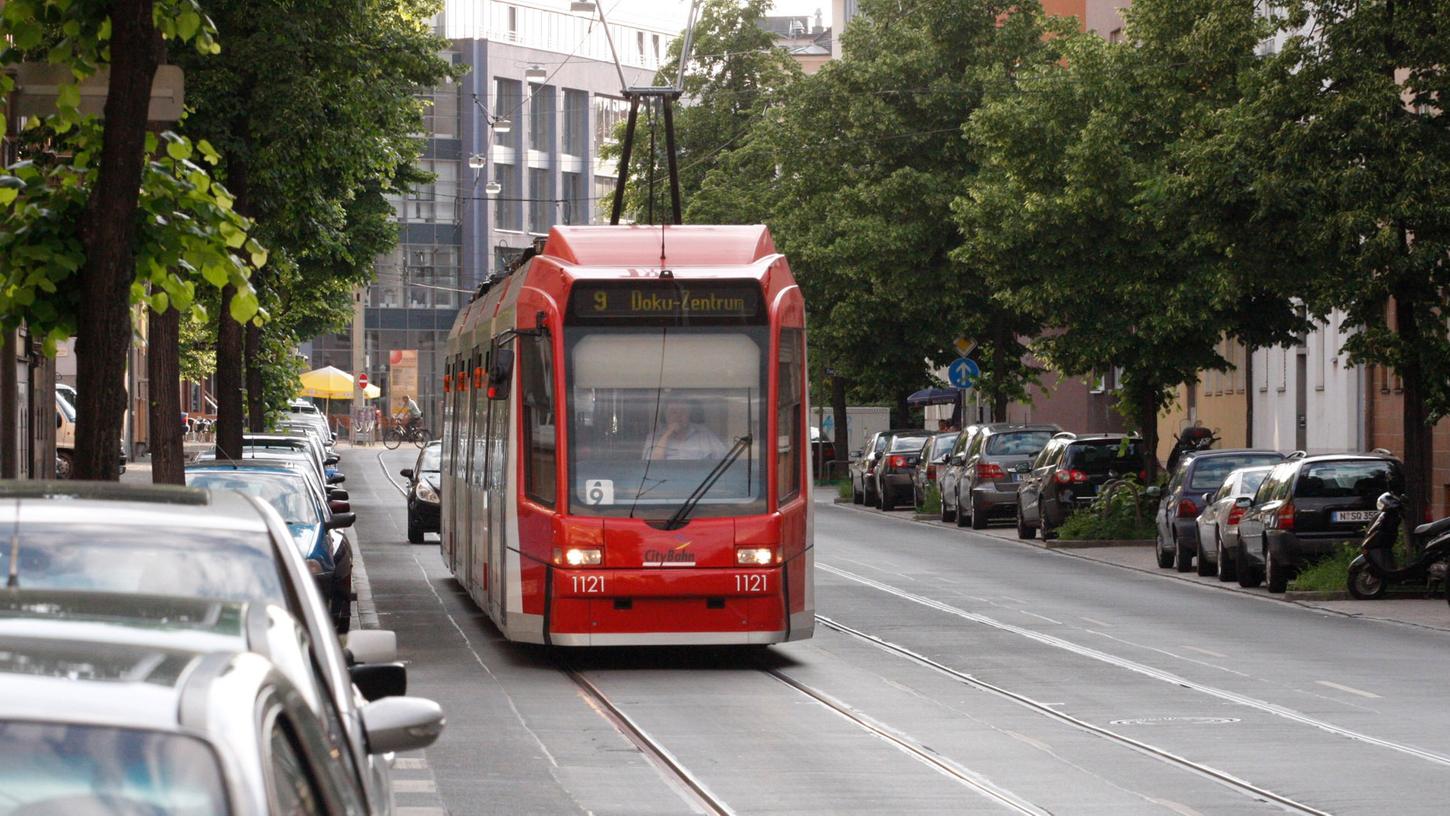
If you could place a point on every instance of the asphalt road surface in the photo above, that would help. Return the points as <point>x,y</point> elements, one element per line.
<point>951,672</point>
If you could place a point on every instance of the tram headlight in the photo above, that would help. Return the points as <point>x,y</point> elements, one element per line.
<point>579,556</point>
<point>755,556</point>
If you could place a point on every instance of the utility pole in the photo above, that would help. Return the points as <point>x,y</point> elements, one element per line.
<point>359,356</point>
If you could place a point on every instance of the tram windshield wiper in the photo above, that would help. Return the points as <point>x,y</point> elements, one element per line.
<point>688,506</point>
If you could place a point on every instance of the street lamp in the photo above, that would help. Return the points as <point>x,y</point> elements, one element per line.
<point>536,73</point>
<point>477,161</point>
<point>492,189</point>
<point>502,125</point>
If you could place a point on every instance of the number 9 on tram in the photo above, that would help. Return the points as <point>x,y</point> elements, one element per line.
<point>625,458</point>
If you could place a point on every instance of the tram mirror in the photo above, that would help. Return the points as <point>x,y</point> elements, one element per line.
<point>501,374</point>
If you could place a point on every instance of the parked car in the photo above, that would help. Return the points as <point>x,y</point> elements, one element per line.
<point>1306,508</point>
<point>863,467</point>
<point>929,460</point>
<point>112,539</point>
<point>950,473</point>
<point>1066,475</point>
<point>1218,524</point>
<point>315,527</point>
<point>424,493</point>
<point>140,723</point>
<point>1198,475</point>
<point>823,452</point>
<point>894,464</point>
<point>992,466</point>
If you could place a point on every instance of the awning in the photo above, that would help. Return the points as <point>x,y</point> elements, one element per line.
<point>935,396</point>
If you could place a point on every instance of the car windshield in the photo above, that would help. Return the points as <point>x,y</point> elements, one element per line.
<point>1343,480</point>
<point>432,459</point>
<point>652,411</point>
<point>100,557</point>
<point>942,445</point>
<point>287,493</point>
<point>903,444</point>
<point>1210,471</point>
<point>68,768</point>
<point>1018,443</point>
<point>1105,455</point>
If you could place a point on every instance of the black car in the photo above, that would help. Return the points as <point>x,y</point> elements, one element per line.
<point>894,465</point>
<point>1306,508</point>
<point>1066,475</point>
<point>425,492</point>
<point>1198,475</point>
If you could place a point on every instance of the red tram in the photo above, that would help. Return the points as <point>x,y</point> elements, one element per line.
<point>624,452</point>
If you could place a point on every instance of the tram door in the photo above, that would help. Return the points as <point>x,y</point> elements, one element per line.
<point>496,489</point>
<point>462,520</point>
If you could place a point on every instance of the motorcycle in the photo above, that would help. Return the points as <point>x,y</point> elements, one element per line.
<point>1193,438</point>
<point>1372,572</point>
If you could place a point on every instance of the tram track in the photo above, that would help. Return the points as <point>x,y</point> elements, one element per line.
<point>1147,749</point>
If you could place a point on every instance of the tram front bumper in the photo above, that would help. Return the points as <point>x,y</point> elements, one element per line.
<point>667,606</point>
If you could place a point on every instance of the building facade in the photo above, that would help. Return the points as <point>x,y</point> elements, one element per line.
<point>540,100</point>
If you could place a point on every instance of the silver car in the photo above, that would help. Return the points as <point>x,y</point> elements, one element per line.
<point>950,473</point>
<point>135,722</point>
<point>999,457</point>
<point>1218,524</point>
<point>158,540</point>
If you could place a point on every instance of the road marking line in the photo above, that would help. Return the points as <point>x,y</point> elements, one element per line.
<point>1176,807</point>
<point>1043,617</point>
<point>1012,599</point>
<point>410,764</point>
<point>414,786</point>
<point>1035,743</point>
<point>1276,710</point>
<point>1095,621</point>
<point>419,811</point>
<point>1349,689</point>
<point>1203,651</point>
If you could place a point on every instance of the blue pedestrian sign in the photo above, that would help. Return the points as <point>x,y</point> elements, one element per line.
<point>963,373</point>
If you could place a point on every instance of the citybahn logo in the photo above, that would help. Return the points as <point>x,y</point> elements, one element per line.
<point>678,556</point>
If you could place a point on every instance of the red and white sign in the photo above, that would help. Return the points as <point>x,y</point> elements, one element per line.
<point>362,379</point>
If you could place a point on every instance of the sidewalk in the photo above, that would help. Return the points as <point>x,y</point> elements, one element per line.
<point>1429,613</point>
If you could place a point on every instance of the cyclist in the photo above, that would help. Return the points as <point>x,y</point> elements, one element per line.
<point>414,413</point>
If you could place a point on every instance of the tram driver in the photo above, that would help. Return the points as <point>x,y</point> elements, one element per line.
<point>682,437</point>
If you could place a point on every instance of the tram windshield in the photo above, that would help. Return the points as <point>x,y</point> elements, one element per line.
<point>654,411</point>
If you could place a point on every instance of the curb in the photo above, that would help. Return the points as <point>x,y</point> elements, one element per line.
<point>1090,544</point>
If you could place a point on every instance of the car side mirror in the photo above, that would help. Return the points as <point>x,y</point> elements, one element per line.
<point>331,459</point>
<point>501,374</point>
<point>337,493</point>
<point>1243,502</point>
<point>378,680</point>
<point>1153,491</point>
<point>58,420</point>
<point>396,724</point>
<point>341,520</point>
<point>371,646</point>
<point>339,506</point>
<point>336,478</point>
<point>406,473</point>
<point>959,458</point>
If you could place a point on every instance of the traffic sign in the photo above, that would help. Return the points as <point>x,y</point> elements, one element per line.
<point>362,379</point>
<point>964,345</point>
<point>963,372</point>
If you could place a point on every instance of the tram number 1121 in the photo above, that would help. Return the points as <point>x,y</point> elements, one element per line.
<point>752,582</point>
<point>588,584</point>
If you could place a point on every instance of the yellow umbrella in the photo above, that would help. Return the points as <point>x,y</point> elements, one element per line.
<point>327,382</point>
<point>372,392</point>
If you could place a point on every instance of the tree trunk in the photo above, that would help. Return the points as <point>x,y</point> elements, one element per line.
<point>1001,337</point>
<point>229,410</point>
<point>1248,397</point>
<point>843,429</point>
<point>1148,428</point>
<point>256,399</point>
<point>163,369</point>
<point>108,233</point>
<point>1413,414</point>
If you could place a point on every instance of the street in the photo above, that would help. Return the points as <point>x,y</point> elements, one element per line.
<point>951,672</point>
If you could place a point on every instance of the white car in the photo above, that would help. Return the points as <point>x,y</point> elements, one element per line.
<point>1218,524</point>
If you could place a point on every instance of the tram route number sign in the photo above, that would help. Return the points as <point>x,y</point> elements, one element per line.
<point>598,492</point>
<point>656,300</point>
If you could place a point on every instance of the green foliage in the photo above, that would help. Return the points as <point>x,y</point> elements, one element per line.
<point>1326,575</point>
<point>1121,511</point>
<point>844,489</point>
<point>931,502</point>
<point>188,234</point>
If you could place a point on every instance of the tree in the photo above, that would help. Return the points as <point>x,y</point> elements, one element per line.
<point>1348,123</point>
<point>1083,214</point>
<point>90,224</point>
<point>313,115</point>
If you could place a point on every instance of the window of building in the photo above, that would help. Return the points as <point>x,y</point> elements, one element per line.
<point>507,209</point>
<point>541,118</point>
<point>576,201</point>
<point>440,114</point>
<point>609,112</point>
<point>639,44</point>
<point>508,100</point>
<point>603,198</point>
<point>513,14</point>
<point>576,123</point>
<point>541,200</point>
<point>433,202</point>
<point>537,378</point>
<point>790,385</point>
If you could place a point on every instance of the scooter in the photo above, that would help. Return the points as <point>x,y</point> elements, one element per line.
<point>1372,572</point>
<point>1194,438</point>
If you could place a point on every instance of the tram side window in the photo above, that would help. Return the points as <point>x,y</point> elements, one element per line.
<point>790,383</point>
<point>537,360</point>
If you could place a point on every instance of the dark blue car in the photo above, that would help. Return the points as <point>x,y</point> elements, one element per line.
<point>315,529</point>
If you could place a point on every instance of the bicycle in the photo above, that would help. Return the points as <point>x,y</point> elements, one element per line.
<point>398,434</point>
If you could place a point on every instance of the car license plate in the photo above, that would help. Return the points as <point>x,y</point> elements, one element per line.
<point>1339,516</point>
<point>1016,477</point>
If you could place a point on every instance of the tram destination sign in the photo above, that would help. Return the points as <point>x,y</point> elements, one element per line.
<point>668,301</point>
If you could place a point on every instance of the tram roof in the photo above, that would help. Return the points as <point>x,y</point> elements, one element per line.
<point>634,246</point>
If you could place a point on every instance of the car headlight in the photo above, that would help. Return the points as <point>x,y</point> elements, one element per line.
<point>579,556</point>
<point>427,493</point>
<point>755,556</point>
